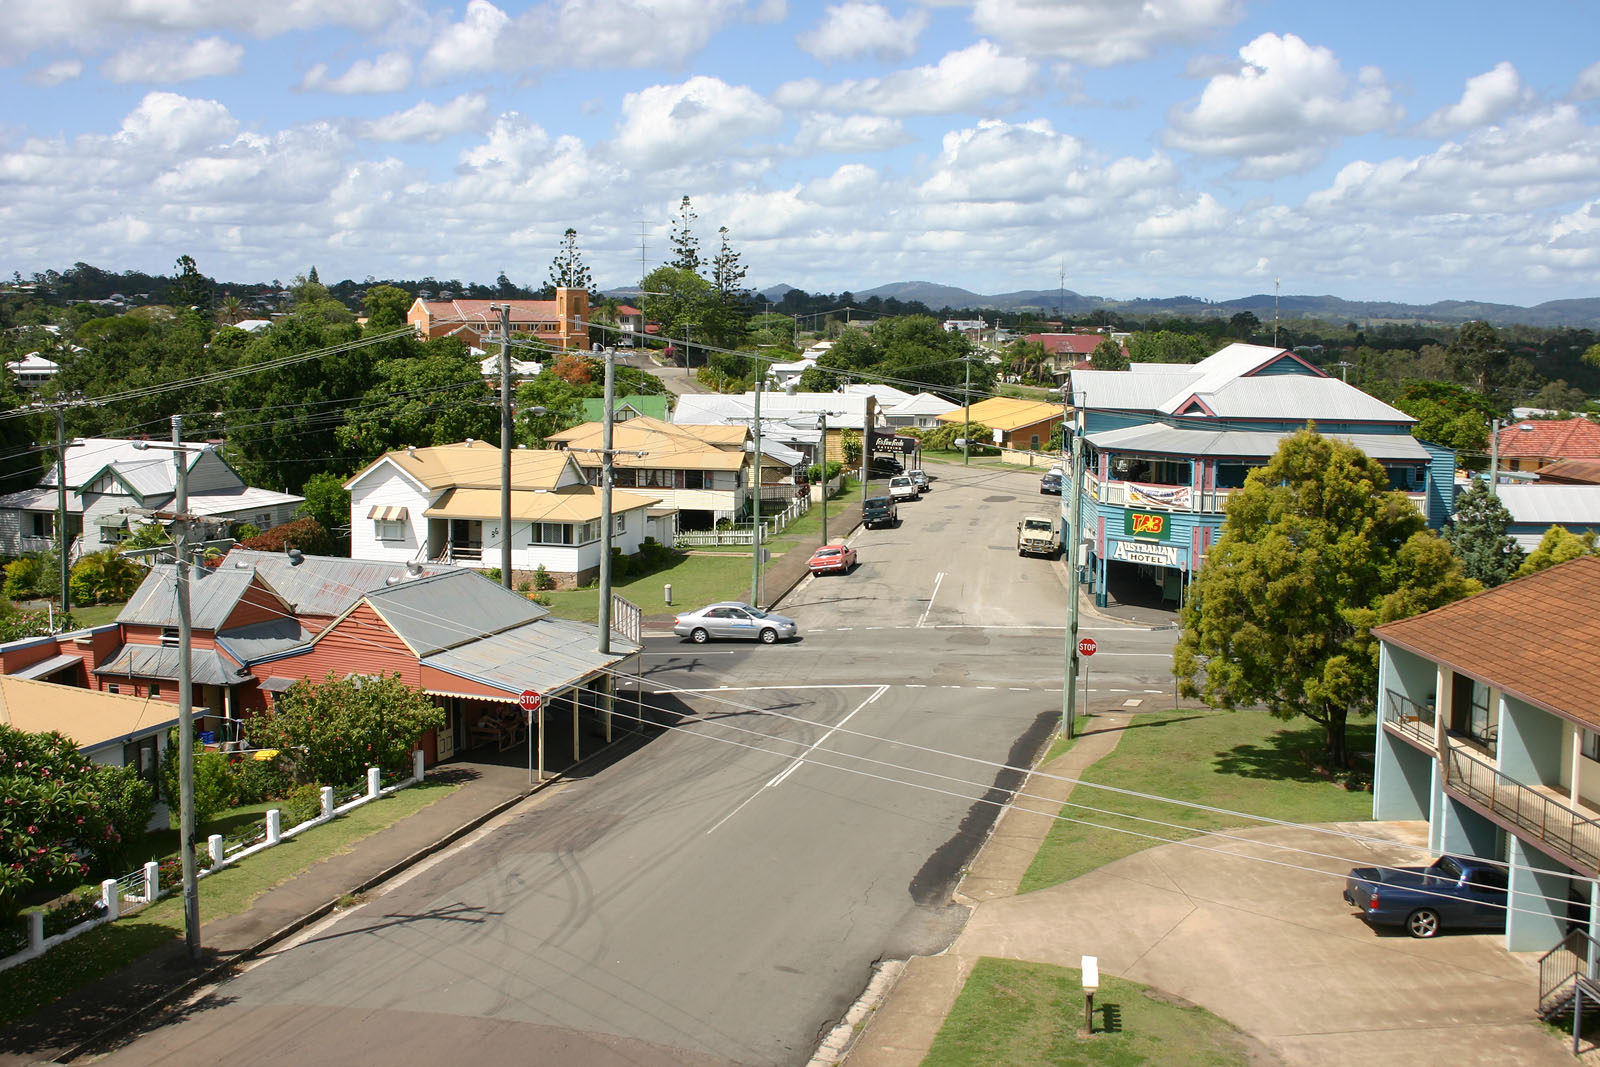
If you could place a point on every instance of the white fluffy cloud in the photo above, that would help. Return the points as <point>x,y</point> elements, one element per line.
<point>962,81</point>
<point>167,60</point>
<point>1485,99</point>
<point>1533,161</point>
<point>389,73</point>
<point>427,122</point>
<point>1281,110</point>
<point>1100,33</point>
<point>849,133</point>
<point>856,28</point>
<point>673,124</point>
<point>469,45</point>
<point>1587,85</point>
<point>57,73</point>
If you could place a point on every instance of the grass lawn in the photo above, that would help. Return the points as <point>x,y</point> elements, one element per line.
<point>1246,761</point>
<point>1016,1014</point>
<point>96,614</point>
<point>701,578</point>
<point>88,957</point>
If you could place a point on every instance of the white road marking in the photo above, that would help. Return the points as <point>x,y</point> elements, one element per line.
<point>936,580</point>
<point>778,778</point>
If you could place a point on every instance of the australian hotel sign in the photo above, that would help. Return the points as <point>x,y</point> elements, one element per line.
<point>1154,555</point>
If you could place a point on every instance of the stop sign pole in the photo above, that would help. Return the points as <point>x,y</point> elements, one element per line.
<point>532,702</point>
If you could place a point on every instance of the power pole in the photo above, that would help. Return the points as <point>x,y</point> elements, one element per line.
<point>822,467</point>
<point>505,443</point>
<point>868,420</point>
<point>755,507</point>
<point>966,394</point>
<point>607,421</point>
<point>1494,457</point>
<point>61,511</point>
<point>1069,690</point>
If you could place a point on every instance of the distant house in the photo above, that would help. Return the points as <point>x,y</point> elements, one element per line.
<point>1535,507</point>
<point>1068,351</point>
<point>107,477</point>
<point>559,323</point>
<point>1533,443</point>
<point>521,370</point>
<point>33,370</point>
<point>1023,424</point>
<point>1571,472</point>
<point>442,505</point>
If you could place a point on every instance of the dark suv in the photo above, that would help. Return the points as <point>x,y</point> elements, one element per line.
<point>885,467</point>
<point>879,511</point>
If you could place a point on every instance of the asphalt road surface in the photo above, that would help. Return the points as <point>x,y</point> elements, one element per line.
<point>719,896</point>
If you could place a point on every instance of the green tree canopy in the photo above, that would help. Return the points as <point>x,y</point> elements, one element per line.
<point>1167,346</point>
<point>1447,415</point>
<point>1314,553</point>
<point>567,269</point>
<point>685,245</point>
<point>1558,545</point>
<point>1479,536</point>
<point>434,398</point>
<point>1108,355</point>
<point>912,352</point>
<point>385,307</point>
<point>332,731</point>
<point>327,501</point>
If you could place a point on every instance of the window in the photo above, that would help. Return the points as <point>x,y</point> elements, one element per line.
<point>589,532</point>
<point>655,479</point>
<point>694,479</point>
<point>1033,442</point>
<point>389,529</point>
<point>1591,745</point>
<point>551,533</point>
<point>169,637</point>
<point>155,689</point>
<point>113,688</point>
<point>43,525</point>
<point>621,523</point>
<point>621,477</point>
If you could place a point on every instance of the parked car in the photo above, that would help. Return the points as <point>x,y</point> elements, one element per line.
<point>902,488</point>
<point>1455,893</point>
<point>730,618</point>
<point>885,466</point>
<point>879,511</point>
<point>1051,484</point>
<point>840,559</point>
<point>921,478</point>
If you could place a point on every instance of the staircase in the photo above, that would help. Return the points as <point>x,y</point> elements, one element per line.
<point>1563,972</point>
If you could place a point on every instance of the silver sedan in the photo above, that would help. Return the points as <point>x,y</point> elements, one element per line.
<point>733,619</point>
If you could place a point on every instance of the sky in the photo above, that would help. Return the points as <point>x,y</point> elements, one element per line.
<point>1413,150</point>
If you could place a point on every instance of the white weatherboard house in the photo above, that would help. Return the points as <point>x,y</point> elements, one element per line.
<point>108,476</point>
<point>442,505</point>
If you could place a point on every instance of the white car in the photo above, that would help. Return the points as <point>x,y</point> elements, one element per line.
<point>902,487</point>
<point>921,478</point>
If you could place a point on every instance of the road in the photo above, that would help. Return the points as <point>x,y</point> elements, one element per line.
<point>720,896</point>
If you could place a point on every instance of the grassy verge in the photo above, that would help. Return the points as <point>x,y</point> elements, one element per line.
<point>96,614</point>
<point>1245,761</point>
<point>1015,1014</point>
<point>89,957</point>
<point>696,580</point>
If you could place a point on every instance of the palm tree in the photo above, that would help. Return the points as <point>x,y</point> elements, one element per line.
<point>231,311</point>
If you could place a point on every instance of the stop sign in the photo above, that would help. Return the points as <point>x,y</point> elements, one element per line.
<point>530,700</point>
<point>1087,647</point>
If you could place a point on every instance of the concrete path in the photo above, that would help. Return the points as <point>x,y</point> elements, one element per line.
<point>1269,947</point>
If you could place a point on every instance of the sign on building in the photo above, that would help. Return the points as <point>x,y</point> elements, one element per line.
<point>1157,525</point>
<point>1153,555</point>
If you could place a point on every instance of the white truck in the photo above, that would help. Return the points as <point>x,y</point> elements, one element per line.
<point>902,488</point>
<point>1036,536</point>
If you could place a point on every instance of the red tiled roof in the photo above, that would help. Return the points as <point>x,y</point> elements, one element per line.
<point>1537,638</point>
<point>1575,438</point>
<point>1080,344</point>
<point>485,311</point>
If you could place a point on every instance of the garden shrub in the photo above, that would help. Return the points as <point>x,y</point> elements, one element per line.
<point>302,804</point>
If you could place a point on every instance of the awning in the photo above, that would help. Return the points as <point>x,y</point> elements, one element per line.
<point>46,667</point>
<point>277,683</point>
<point>387,513</point>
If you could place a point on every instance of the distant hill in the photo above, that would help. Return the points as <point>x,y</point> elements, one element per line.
<point>1583,312</point>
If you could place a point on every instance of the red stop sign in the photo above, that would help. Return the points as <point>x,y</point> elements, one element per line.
<point>1087,647</point>
<point>530,700</point>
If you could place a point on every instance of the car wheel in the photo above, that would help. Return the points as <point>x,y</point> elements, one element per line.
<point>1424,922</point>
<point>768,636</point>
<point>698,636</point>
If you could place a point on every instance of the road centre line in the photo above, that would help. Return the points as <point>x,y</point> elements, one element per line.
<point>778,778</point>
<point>931,596</point>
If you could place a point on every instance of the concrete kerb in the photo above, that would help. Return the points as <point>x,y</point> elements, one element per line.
<point>220,968</point>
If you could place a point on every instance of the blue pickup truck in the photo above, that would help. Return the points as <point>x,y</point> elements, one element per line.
<point>1455,893</point>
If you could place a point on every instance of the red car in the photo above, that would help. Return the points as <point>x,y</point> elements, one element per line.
<point>840,558</point>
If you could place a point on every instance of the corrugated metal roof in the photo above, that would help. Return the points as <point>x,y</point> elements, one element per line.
<point>446,610</point>
<point>545,656</point>
<point>572,503</point>
<point>213,594</point>
<point>47,666</point>
<point>1111,390</point>
<point>921,404</point>
<point>91,718</point>
<point>1005,412</point>
<point>1253,444</point>
<point>1296,397</point>
<point>1552,504</point>
<point>320,585</point>
<point>206,666</point>
<point>246,498</point>
<point>259,640</point>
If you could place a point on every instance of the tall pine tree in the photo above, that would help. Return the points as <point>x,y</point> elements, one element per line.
<point>1479,536</point>
<point>567,269</point>
<point>685,245</point>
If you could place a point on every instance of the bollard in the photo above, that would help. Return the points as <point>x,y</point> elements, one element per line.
<point>215,847</point>
<point>327,802</point>
<point>274,826</point>
<point>374,782</point>
<point>110,898</point>
<point>669,594</point>
<point>1090,966</point>
<point>36,932</point>
<point>152,880</point>
<point>418,764</point>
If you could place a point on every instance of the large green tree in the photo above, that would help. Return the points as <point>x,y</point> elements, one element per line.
<point>1478,535</point>
<point>385,307</point>
<point>567,269</point>
<point>434,398</point>
<point>334,729</point>
<point>911,352</point>
<point>685,245</point>
<point>1108,355</point>
<point>1448,415</point>
<point>1558,545</point>
<point>1167,346</point>
<point>1316,551</point>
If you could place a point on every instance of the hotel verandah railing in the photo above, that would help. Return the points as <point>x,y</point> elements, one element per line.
<point>1551,822</point>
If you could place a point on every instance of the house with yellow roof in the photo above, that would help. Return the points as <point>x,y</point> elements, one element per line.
<point>1015,423</point>
<point>702,472</point>
<point>442,505</point>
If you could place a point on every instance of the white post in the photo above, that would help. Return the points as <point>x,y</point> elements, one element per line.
<point>152,880</point>
<point>374,782</point>
<point>35,932</point>
<point>110,897</point>
<point>274,826</point>
<point>327,802</point>
<point>214,846</point>
<point>418,765</point>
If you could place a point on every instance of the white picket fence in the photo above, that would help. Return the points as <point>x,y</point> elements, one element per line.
<point>743,533</point>
<point>144,885</point>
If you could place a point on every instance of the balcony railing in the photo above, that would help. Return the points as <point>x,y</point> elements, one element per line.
<point>1553,824</point>
<point>1409,717</point>
<point>1145,495</point>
